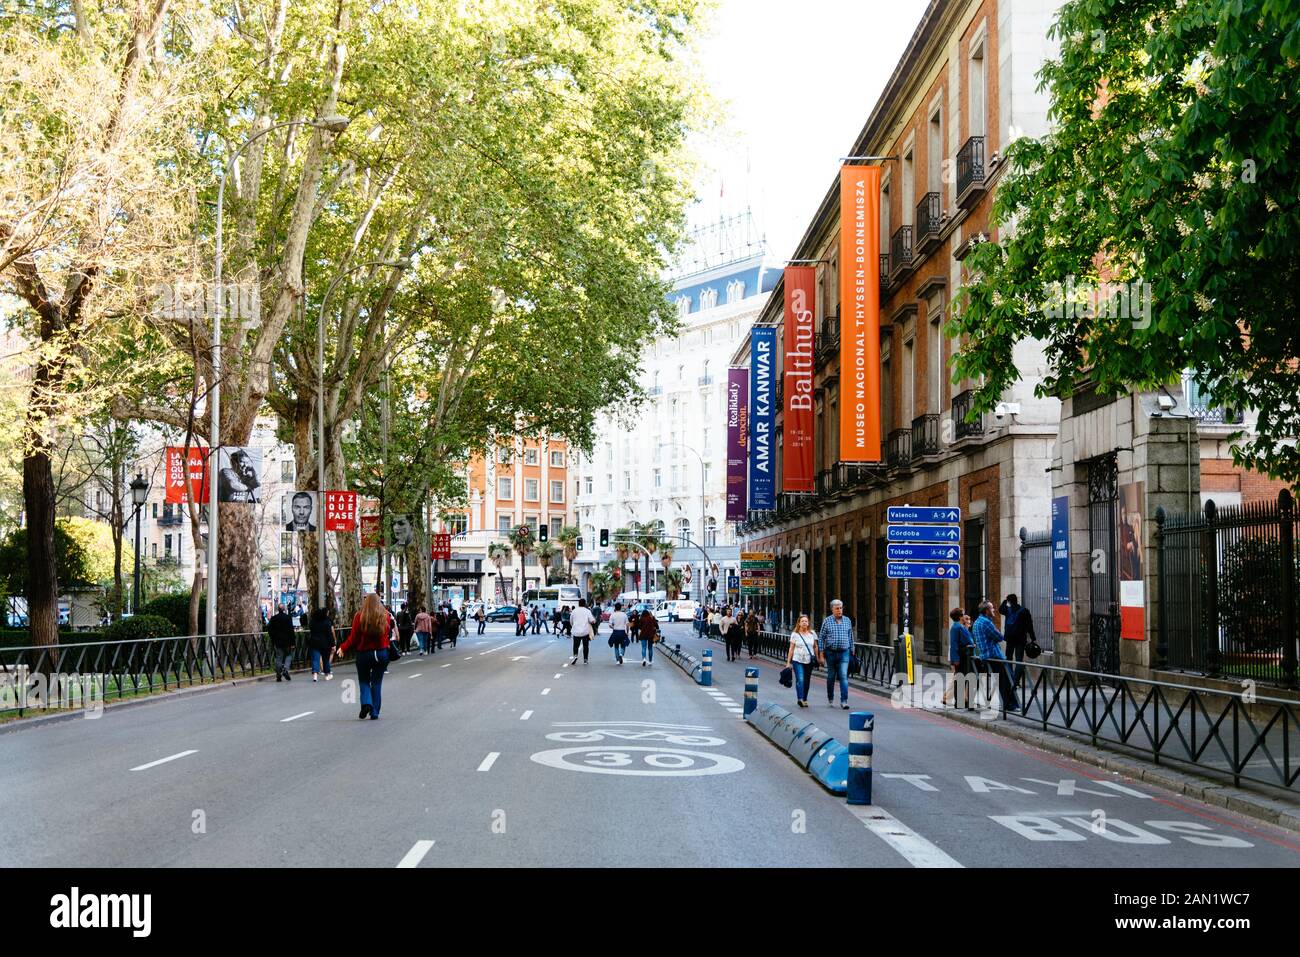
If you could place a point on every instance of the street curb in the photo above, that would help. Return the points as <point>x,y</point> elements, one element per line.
<point>1217,793</point>
<point>40,721</point>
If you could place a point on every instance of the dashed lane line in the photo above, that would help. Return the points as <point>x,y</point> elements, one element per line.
<point>295,717</point>
<point>416,854</point>
<point>525,716</point>
<point>171,757</point>
<point>489,761</point>
<point>914,848</point>
<point>546,691</point>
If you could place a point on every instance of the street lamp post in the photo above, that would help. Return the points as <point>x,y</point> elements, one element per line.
<point>320,413</point>
<point>334,124</point>
<point>139,494</point>
<point>703,508</point>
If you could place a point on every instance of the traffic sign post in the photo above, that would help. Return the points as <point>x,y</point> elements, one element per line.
<point>923,542</point>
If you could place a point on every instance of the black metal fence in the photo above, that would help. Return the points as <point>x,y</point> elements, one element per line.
<point>44,677</point>
<point>1036,583</point>
<point>1229,583</point>
<point>1233,734</point>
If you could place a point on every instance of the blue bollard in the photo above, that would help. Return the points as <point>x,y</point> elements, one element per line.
<point>751,691</point>
<point>706,669</point>
<point>861,725</point>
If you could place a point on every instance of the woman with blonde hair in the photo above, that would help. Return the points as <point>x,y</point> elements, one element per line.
<point>369,639</point>
<point>800,656</point>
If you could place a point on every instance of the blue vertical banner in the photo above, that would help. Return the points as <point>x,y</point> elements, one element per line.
<point>762,417</point>
<point>1061,564</point>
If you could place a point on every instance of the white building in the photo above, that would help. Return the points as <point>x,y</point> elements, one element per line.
<point>666,463</point>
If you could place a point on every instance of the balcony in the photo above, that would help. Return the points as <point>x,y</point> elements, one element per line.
<point>962,403</point>
<point>826,342</point>
<point>898,449</point>
<point>900,253</point>
<point>1199,405</point>
<point>929,217</point>
<point>825,483</point>
<point>655,390</point>
<point>884,273</point>
<point>171,518</point>
<point>970,172</point>
<point>925,436</point>
<point>168,561</point>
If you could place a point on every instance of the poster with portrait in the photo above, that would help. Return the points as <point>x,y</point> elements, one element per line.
<point>298,511</point>
<point>1132,587</point>
<point>403,530</point>
<point>239,475</point>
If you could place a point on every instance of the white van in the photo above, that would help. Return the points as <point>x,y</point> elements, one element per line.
<point>679,609</point>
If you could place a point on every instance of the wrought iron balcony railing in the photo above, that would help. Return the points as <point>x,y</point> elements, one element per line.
<point>900,252</point>
<point>929,215</point>
<point>898,448</point>
<point>970,171</point>
<point>962,403</point>
<point>925,435</point>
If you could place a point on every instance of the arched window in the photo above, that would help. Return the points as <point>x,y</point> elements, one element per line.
<point>710,532</point>
<point>683,531</point>
<point>736,290</point>
<point>657,528</point>
<point>708,298</point>
<point>683,306</point>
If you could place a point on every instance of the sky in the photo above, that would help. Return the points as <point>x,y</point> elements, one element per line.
<point>796,82</point>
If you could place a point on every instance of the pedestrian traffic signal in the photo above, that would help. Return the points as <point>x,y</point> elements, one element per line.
<point>604,538</point>
<point>541,533</point>
<point>580,545</point>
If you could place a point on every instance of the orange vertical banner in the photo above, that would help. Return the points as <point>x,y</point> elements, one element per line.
<point>860,314</point>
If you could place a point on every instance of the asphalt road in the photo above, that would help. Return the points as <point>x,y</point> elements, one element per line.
<point>499,753</point>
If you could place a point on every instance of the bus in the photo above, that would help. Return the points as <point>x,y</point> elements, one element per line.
<point>556,596</point>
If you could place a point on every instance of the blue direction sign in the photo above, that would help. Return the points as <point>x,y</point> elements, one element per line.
<point>946,570</point>
<point>944,534</point>
<point>923,553</point>
<point>917,513</point>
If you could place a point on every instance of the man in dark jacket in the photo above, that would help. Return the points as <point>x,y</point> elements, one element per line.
<point>1018,628</point>
<point>280,628</point>
<point>405,628</point>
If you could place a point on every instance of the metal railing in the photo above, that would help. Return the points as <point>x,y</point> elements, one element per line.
<point>900,251</point>
<point>134,668</point>
<point>929,216</point>
<point>925,435</point>
<point>970,168</point>
<point>1214,731</point>
<point>884,272</point>
<point>898,448</point>
<point>827,341</point>
<point>1036,583</point>
<point>962,403</point>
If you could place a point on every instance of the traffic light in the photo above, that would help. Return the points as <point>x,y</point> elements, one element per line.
<point>580,545</point>
<point>604,538</point>
<point>541,533</point>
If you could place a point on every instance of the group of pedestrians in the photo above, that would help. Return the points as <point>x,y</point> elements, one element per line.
<point>736,628</point>
<point>640,626</point>
<point>981,641</point>
<point>430,631</point>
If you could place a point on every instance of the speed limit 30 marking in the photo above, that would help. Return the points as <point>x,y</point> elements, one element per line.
<point>639,761</point>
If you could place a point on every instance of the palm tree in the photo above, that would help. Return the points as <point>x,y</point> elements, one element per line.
<point>648,536</point>
<point>546,552</point>
<point>568,542</point>
<point>666,554</point>
<point>673,582</point>
<point>521,540</point>
<point>621,547</point>
<point>600,586</point>
<point>499,554</point>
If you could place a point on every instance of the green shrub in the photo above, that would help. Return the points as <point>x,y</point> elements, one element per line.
<point>138,627</point>
<point>176,609</point>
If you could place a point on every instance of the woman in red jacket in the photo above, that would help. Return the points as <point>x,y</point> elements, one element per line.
<point>369,639</point>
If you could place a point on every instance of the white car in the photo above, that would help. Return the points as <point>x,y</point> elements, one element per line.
<point>681,609</point>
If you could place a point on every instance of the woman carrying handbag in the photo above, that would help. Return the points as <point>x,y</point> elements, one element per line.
<point>369,638</point>
<point>801,656</point>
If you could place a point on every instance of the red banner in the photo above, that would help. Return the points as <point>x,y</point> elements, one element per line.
<point>370,532</point>
<point>175,481</point>
<point>340,511</point>
<point>860,314</point>
<point>441,546</point>
<point>797,450</point>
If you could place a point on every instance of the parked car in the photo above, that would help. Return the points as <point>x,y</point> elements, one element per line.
<point>503,613</point>
<point>679,609</point>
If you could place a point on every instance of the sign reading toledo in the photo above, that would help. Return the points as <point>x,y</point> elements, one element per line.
<point>758,573</point>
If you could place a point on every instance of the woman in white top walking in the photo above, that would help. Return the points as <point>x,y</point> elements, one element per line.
<point>618,631</point>
<point>800,656</point>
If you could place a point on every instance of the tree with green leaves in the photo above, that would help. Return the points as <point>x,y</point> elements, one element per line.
<point>568,542</point>
<point>499,555</point>
<point>546,553</point>
<point>1156,227</point>
<point>523,542</point>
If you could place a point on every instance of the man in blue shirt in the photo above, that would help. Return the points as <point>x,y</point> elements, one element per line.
<point>988,642</point>
<point>835,641</point>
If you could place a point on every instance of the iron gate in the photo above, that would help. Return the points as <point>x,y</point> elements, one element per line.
<point>1103,576</point>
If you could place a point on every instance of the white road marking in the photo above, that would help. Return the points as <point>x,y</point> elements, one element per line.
<point>154,764</point>
<point>470,658</point>
<point>448,665</point>
<point>525,716</point>
<point>559,674</point>
<point>506,645</point>
<point>638,724</point>
<point>489,761</point>
<point>736,710</point>
<point>915,849</point>
<point>416,675</point>
<point>416,854</point>
<point>546,691</point>
<point>296,716</point>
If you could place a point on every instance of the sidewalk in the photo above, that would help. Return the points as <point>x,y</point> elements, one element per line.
<point>1271,805</point>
